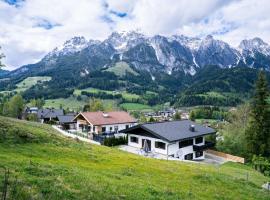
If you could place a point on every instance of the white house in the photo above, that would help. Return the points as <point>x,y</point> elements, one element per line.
<point>181,139</point>
<point>91,123</point>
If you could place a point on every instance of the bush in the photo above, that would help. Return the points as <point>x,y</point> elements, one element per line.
<point>261,164</point>
<point>113,141</point>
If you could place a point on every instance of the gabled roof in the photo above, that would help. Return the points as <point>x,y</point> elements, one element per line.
<point>49,113</point>
<point>100,118</point>
<point>66,118</point>
<point>173,130</point>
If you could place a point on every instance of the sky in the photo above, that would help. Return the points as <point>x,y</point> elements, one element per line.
<point>29,29</point>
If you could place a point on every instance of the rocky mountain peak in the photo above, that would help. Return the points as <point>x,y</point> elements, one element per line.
<point>255,44</point>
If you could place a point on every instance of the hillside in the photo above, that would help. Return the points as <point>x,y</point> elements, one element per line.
<point>45,165</point>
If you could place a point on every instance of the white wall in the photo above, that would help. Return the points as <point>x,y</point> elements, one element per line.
<point>120,126</point>
<point>153,140</point>
<point>173,148</point>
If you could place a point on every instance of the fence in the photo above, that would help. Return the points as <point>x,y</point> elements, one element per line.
<point>226,156</point>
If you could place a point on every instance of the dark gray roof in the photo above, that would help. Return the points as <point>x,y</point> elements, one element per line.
<point>66,118</point>
<point>173,130</point>
<point>49,113</point>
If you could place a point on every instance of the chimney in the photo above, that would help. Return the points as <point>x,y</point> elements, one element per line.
<point>192,128</point>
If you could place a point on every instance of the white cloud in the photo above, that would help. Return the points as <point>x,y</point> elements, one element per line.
<point>24,42</point>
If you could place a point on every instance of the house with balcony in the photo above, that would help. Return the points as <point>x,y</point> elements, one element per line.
<point>99,123</point>
<point>185,140</point>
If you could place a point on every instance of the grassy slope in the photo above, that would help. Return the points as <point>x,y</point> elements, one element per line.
<point>73,104</point>
<point>126,95</point>
<point>28,82</point>
<point>121,69</point>
<point>135,106</point>
<point>48,166</point>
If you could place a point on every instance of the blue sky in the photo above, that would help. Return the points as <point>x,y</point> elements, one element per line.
<point>32,28</point>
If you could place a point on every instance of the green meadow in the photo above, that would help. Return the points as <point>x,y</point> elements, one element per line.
<point>46,165</point>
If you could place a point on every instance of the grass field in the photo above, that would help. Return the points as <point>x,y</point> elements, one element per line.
<point>31,81</point>
<point>45,165</point>
<point>127,96</point>
<point>135,107</point>
<point>73,104</point>
<point>28,82</point>
<point>121,69</point>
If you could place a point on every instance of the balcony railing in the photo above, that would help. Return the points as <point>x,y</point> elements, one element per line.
<point>207,145</point>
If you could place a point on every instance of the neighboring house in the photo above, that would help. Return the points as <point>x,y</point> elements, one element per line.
<point>49,114</point>
<point>66,121</point>
<point>29,110</point>
<point>92,123</point>
<point>182,139</point>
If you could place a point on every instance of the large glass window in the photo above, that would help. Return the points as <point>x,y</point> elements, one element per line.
<point>198,140</point>
<point>189,156</point>
<point>185,143</point>
<point>160,145</point>
<point>198,154</point>
<point>134,139</point>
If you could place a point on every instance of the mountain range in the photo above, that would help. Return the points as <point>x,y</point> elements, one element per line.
<point>171,62</point>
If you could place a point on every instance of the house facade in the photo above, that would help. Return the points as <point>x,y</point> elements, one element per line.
<point>91,123</point>
<point>180,139</point>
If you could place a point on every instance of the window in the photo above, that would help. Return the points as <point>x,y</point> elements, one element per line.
<point>115,128</point>
<point>189,156</point>
<point>198,140</point>
<point>134,139</point>
<point>103,129</point>
<point>160,145</point>
<point>94,128</point>
<point>185,143</point>
<point>198,154</point>
<point>127,126</point>
<point>110,128</point>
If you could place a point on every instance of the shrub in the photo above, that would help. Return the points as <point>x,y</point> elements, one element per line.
<point>113,141</point>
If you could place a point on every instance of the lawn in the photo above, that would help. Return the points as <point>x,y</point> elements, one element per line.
<point>45,165</point>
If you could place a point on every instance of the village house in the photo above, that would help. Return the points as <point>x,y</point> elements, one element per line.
<point>49,114</point>
<point>180,139</point>
<point>97,123</point>
<point>66,121</point>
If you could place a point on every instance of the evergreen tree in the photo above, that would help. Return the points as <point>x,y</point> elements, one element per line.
<point>177,116</point>
<point>258,131</point>
<point>151,119</point>
<point>192,116</point>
